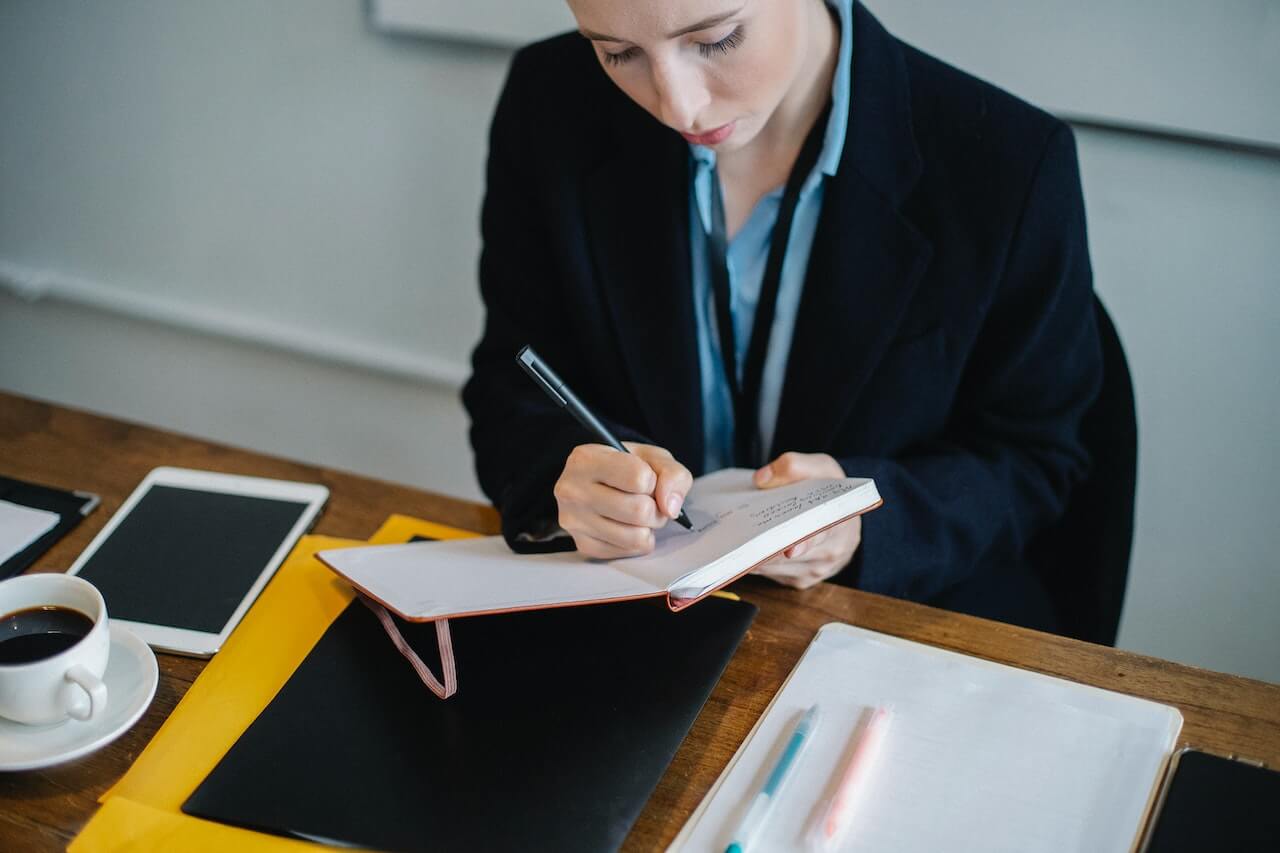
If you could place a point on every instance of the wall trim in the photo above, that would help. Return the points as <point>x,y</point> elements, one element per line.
<point>34,285</point>
<point>1234,145</point>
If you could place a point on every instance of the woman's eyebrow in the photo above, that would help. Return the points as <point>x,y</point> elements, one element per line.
<point>692,28</point>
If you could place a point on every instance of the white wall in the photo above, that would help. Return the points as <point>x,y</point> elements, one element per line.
<point>258,223</point>
<point>278,174</point>
<point>239,394</point>
<point>1186,256</point>
<point>1205,68</point>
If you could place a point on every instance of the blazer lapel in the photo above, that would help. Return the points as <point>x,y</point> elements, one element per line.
<point>637,216</point>
<point>867,258</point>
<point>864,267</point>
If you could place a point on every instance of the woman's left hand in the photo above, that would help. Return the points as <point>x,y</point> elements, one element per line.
<point>823,554</point>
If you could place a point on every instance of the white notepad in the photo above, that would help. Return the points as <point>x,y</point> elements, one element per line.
<point>22,525</point>
<point>980,756</point>
<point>735,528</point>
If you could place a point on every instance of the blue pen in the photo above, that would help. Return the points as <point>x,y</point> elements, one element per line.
<point>762,805</point>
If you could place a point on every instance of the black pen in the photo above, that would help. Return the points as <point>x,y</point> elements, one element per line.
<point>566,399</point>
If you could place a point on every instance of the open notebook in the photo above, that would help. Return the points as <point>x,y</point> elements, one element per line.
<point>735,528</point>
<point>980,756</point>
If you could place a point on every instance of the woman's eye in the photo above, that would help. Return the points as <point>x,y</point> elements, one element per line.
<point>620,57</point>
<point>707,49</point>
<point>723,46</point>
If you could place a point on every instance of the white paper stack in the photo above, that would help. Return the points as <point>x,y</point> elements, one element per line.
<point>20,526</point>
<point>980,756</point>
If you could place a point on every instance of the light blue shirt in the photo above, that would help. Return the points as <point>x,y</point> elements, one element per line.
<point>748,253</point>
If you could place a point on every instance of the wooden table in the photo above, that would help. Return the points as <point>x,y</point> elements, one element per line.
<point>43,810</point>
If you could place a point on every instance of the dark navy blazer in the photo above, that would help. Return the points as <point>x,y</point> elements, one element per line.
<point>945,343</point>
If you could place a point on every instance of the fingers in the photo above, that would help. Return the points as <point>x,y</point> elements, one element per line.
<point>806,546</point>
<point>625,507</point>
<point>615,542</point>
<point>600,549</point>
<point>608,500</point>
<point>673,479</point>
<point>798,574</point>
<point>626,472</point>
<point>584,522</point>
<point>791,467</point>
<point>817,558</point>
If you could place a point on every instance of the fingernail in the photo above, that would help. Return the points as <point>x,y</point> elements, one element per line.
<point>764,475</point>
<point>673,505</point>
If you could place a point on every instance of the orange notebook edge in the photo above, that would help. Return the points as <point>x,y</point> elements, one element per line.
<point>678,604</point>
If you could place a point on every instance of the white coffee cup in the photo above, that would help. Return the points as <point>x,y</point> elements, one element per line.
<point>66,684</point>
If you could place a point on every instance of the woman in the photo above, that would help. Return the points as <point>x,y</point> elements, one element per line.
<point>899,250</point>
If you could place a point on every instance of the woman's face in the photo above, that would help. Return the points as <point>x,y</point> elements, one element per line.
<point>714,70</point>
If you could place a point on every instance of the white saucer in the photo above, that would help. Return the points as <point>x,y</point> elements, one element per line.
<point>131,680</point>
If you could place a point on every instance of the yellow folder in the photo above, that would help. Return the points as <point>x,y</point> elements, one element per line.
<point>143,810</point>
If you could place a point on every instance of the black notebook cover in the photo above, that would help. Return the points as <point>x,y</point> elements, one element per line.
<point>1218,804</point>
<point>563,724</point>
<point>71,507</point>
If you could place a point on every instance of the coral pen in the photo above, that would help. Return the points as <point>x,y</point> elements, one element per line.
<point>829,831</point>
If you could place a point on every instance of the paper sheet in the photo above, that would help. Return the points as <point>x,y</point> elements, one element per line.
<point>736,525</point>
<point>979,756</point>
<point>20,526</point>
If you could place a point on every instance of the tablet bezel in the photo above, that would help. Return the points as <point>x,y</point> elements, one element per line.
<point>205,644</point>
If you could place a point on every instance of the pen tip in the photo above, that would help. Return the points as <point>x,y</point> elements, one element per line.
<point>683,520</point>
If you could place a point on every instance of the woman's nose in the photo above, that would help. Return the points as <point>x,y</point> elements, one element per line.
<point>681,95</point>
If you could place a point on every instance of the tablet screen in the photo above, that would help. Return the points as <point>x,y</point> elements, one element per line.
<point>185,558</point>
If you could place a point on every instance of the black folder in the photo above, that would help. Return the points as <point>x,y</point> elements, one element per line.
<point>71,507</point>
<point>1218,804</point>
<point>563,724</point>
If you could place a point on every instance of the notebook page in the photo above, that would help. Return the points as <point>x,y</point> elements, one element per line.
<point>979,756</point>
<point>428,580</point>
<point>736,525</point>
<point>22,525</point>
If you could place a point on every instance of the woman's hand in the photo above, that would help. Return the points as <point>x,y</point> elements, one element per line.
<point>611,502</point>
<point>823,554</point>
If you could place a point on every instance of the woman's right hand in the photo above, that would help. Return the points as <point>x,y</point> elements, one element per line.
<point>611,502</point>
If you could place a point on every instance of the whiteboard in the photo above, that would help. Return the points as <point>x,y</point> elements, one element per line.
<point>504,22</point>
<point>1206,69</point>
<point>1184,66</point>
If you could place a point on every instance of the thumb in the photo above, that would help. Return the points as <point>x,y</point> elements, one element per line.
<point>764,477</point>
<point>791,467</point>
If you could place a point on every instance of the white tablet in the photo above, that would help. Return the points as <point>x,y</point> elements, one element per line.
<point>189,551</point>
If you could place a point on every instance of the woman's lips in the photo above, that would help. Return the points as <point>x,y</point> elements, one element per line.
<point>711,137</point>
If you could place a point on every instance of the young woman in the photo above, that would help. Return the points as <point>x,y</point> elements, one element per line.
<point>766,233</point>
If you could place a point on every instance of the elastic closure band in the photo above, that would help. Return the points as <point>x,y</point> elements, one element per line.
<point>450,685</point>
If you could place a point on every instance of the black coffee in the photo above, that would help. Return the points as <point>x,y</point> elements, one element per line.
<point>37,633</point>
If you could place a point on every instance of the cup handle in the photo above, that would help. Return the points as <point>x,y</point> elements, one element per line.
<point>92,685</point>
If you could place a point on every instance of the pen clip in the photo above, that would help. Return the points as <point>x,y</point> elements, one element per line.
<point>541,374</point>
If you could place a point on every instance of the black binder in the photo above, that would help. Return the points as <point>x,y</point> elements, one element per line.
<point>71,507</point>
<point>1218,804</point>
<point>563,724</point>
